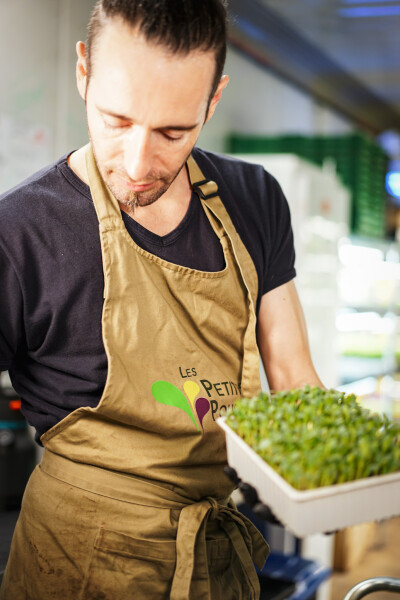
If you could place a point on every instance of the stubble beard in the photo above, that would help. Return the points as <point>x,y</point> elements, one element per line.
<point>132,200</point>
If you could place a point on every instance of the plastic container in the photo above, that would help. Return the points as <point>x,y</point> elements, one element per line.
<point>320,510</point>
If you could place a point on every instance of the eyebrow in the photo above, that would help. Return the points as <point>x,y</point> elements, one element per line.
<point>166,127</point>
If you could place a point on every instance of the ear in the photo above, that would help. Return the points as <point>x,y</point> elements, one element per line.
<point>223,82</point>
<point>81,69</point>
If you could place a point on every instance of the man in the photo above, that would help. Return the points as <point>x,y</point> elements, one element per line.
<point>141,279</point>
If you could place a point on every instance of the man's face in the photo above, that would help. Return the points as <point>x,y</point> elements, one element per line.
<point>145,109</point>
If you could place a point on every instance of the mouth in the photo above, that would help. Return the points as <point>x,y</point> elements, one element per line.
<point>135,187</point>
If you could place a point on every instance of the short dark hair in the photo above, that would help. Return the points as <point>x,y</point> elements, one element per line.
<point>179,25</point>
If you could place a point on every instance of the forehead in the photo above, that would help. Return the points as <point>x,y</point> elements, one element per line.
<point>127,68</point>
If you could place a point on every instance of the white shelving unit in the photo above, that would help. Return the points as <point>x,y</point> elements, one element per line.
<point>368,319</point>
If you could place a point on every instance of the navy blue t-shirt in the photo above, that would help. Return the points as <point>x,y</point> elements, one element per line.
<point>52,282</point>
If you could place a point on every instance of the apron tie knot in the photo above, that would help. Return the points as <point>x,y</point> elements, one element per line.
<point>247,542</point>
<point>214,508</point>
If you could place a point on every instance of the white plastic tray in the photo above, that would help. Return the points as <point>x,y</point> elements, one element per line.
<point>320,510</point>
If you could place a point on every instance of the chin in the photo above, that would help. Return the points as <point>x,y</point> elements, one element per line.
<point>140,199</point>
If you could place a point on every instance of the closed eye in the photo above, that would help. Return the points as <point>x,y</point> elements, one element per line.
<point>171,137</point>
<point>110,124</point>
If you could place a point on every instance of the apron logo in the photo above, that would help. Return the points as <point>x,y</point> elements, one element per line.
<point>167,393</point>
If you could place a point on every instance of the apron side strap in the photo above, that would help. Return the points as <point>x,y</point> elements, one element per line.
<point>190,522</point>
<point>242,552</point>
<point>255,542</point>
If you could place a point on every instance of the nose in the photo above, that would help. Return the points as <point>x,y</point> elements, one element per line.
<point>138,155</point>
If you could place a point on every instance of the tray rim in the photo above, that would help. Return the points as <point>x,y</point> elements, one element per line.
<point>315,493</point>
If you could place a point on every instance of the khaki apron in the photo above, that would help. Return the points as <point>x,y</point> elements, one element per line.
<point>130,500</point>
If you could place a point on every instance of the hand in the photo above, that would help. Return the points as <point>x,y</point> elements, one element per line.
<point>251,498</point>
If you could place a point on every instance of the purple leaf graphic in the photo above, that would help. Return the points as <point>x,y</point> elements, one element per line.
<point>202,406</point>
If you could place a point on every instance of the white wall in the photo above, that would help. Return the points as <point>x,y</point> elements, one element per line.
<point>71,130</point>
<point>28,61</point>
<point>41,113</point>
<point>257,102</point>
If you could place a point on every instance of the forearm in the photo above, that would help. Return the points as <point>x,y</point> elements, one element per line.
<point>283,341</point>
<point>290,378</point>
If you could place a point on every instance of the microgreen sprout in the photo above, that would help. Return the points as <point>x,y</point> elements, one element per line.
<point>315,437</point>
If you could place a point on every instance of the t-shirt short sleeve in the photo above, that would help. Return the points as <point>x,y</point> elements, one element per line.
<point>10,312</point>
<point>279,269</point>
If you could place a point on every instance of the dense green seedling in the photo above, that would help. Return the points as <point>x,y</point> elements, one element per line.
<point>315,437</point>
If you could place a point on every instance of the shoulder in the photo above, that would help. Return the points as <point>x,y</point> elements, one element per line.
<point>256,205</point>
<point>17,203</point>
<point>37,186</point>
<point>34,180</point>
<point>241,183</point>
<point>43,215</point>
<point>41,197</point>
<point>239,172</point>
<point>247,190</point>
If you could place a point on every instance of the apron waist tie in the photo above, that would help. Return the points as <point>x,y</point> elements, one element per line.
<point>247,542</point>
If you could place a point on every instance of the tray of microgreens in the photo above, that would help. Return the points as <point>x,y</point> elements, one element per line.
<point>318,459</point>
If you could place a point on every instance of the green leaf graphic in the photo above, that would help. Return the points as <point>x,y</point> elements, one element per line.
<point>167,393</point>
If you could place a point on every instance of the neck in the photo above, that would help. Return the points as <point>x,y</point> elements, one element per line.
<point>77,162</point>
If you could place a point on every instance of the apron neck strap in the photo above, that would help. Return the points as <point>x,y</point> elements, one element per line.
<point>105,203</point>
<point>204,187</point>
